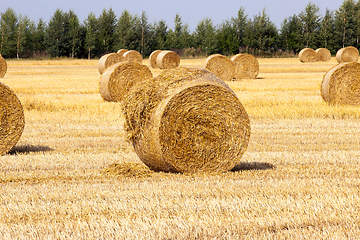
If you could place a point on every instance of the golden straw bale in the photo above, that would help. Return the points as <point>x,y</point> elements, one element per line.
<point>186,120</point>
<point>341,84</point>
<point>347,54</point>
<point>3,67</point>
<point>12,120</point>
<point>323,55</point>
<point>133,56</point>
<point>221,66</point>
<point>107,60</point>
<point>117,80</point>
<point>167,60</point>
<point>307,55</point>
<point>153,58</point>
<point>246,66</point>
<point>122,51</point>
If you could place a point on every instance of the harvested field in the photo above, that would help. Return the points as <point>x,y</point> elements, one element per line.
<point>72,173</point>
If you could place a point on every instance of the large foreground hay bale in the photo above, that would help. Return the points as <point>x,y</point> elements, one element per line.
<point>323,55</point>
<point>221,66</point>
<point>107,60</point>
<point>133,56</point>
<point>246,66</point>
<point>153,58</point>
<point>3,67</point>
<point>122,51</point>
<point>12,120</point>
<point>120,77</point>
<point>307,55</point>
<point>347,54</point>
<point>341,84</point>
<point>186,120</point>
<point>167,60</point>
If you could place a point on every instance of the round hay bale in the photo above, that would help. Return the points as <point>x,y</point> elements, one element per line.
<point>107,60</point>
<point>307,55</point>
<point>347,54</point>
<point>186,120</point>
<point>3,67</point>
<point>167,60</point>
<point>323,55</point>
<point>246,66</point>
<point>12,120</point>
<point>122,51</point>
<point>153,58</point>
<point>341,84</point>
<point>133,56</point>
<point>221,66</point>
<point>117,80</point>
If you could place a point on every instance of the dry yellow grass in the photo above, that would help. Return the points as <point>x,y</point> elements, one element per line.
<point>72,174</point>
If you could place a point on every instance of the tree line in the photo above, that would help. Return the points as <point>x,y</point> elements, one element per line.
<point>65,36</point>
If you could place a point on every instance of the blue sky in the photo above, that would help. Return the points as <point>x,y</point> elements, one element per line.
<point>191,11</point>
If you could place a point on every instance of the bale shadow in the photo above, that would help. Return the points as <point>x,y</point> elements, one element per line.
<point>252,166</point>
<point>29,149</point>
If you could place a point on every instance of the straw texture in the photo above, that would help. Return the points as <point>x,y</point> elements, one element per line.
<point>323,55</point>
<point>122,51</point>
<point>117,80</point>
<point>347,54</point>
<point>246,66</point>
<point>307,55</point>
<point>221,66</point>
<point>186,120</point>
<point>3,67</point>
<point>341,84</point>
<point>153,58</point>
<point>12,120</point>
<point>167,60</point>
<point>107,60</point>
<point>133,56</point>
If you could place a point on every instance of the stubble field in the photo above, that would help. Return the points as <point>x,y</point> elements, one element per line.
<point>73,175</point>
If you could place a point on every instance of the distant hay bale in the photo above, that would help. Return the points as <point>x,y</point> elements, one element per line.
<point>347,54</point>
<point>307,55</point>
<point>122,51</point>
<point>3,67</point>
<point>221,66</point>
<point>107,60</point>
<point>133,56</point>
<point>323,55</point>
<point>341,84</point>
<point>167,60</point>
<point>153,58</point>
<point>186,120</point>
<point>246,66</point>
<point>117,80</point>
<point>12,120</point>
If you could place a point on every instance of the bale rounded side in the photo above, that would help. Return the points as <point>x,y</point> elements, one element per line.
<point>167,60</point>
<point>107,60</point>
<point>3,67</point>
<point>323,55</point>
<point>120,77</point>
<point>347,54</point>
<point>12,120</point>
<point>341,84</point>
<point>122,51</point>
<point>246,66</point>
<point>153,58</point>
<point>307,55</point>
<point>133,56</point>
<point>221,66</point>
<point>187,120</point>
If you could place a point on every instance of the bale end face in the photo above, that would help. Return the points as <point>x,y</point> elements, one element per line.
<point>12,120</point>
<point>307,55</point>
<point>246,66</point>
<point>347,54</point>
<point>221,66</point>
<point>323,55</point>
<point>153,58</point>
<point>108,60</point>
<point>167,60</point>
<point>133,56</point>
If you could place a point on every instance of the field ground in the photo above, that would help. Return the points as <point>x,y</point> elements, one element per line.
<point>73,175</point>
